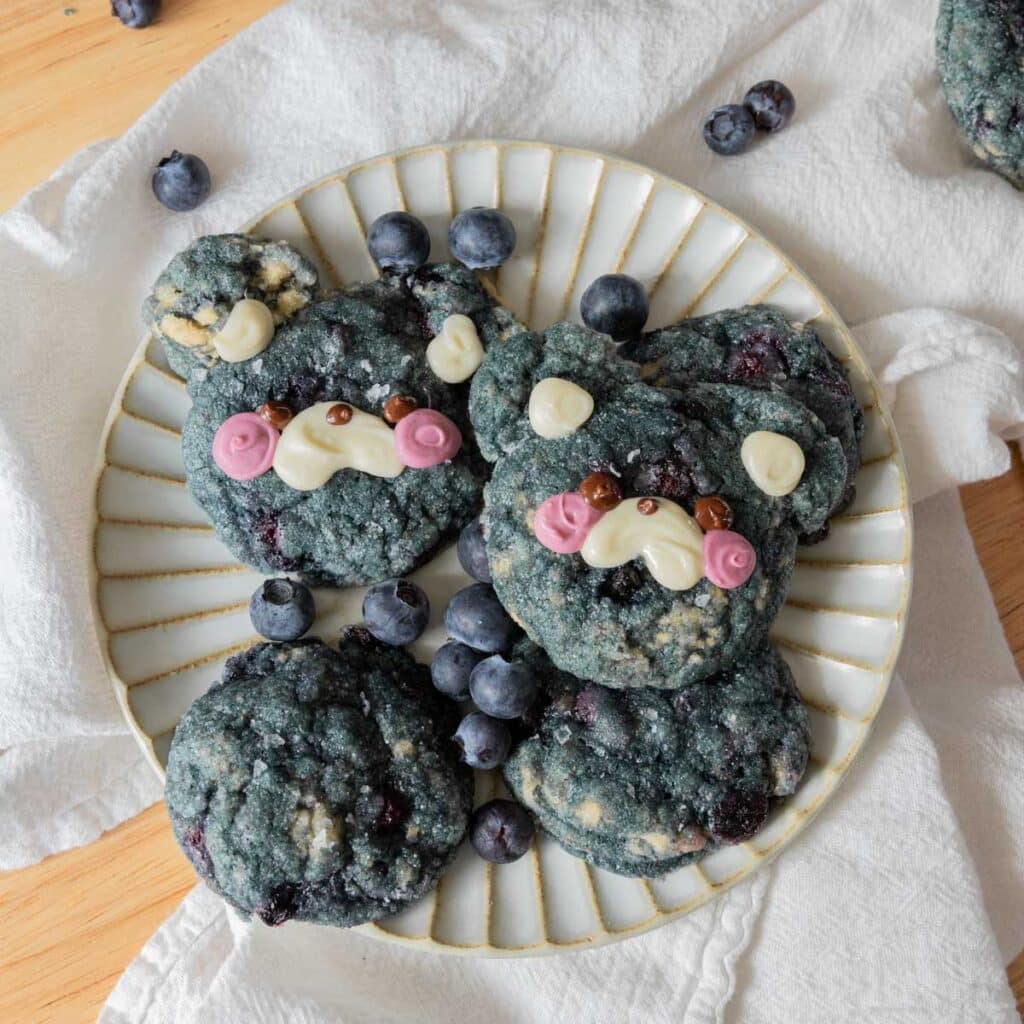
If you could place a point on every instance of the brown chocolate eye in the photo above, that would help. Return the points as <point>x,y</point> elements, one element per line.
<point>397,407</point>
<point>601,491</point>
<point>712,513</point>
<point>647,506</point>
<point>277,414</point>
<point>338,415</point>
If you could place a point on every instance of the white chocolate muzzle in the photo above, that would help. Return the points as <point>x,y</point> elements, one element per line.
<point>311,450</point>
<point>669,541</point>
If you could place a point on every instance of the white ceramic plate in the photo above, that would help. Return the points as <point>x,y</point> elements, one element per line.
<point>170,600</point>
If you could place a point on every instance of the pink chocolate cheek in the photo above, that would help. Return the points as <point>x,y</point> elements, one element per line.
<point>426,438</point>
<point>244,446</point>
<point>729,559</point>
<point>563,521</point>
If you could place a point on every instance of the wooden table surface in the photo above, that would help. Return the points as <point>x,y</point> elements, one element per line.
<point>71,74</point>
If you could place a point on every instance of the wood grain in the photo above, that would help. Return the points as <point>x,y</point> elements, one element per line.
<point>69,926</point>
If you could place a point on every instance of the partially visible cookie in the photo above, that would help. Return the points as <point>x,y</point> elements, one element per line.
<point>757,347</point>
<point>641,782</point>
<point>317,784</point>
<point>195,294</point>
<point>980,49</point>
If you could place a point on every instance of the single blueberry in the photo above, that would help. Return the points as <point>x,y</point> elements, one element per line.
<point>181,181</point>
<point>501,688</point>
<point>615,304</point>
<point>282,609</point>
<point>737,816</point>
<point>135,13</point>
<point>501,831</point>
<point>451,667</point>
<point>772,105</point>
<point>472,553</point>
<point>475,617</point>
<point>398,240</point>
<point>729,130</point>
<point>485,741</point>
<point>396,611</point>
<point>481,238</point>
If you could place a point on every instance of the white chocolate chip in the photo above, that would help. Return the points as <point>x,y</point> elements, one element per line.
<point>456,353</point>
<point>773,461</point>
<point>558,407</point>
<point>669,541</point>
<point>311,450</point>
<point>588,813</point>
<point>248,330</point>
<point>183,331</point>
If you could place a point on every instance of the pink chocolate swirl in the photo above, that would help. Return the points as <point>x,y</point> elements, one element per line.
<point>563,521</point>
<point>729,558</point>
<point>426,438</point>
<point>244,446</point>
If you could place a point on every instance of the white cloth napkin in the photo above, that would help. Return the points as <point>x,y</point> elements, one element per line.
<point>878,909</point>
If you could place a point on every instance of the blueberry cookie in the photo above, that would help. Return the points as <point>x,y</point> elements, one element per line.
<point>642,536</point>
<point>757,347</point>
<point>196,293</point>
<point>980,49</point>
<point>641,782</point>
<point>317,784</point>
<point>335,443</point>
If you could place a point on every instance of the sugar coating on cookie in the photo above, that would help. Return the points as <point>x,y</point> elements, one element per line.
<point>317,784</point>
<point>641,782</point>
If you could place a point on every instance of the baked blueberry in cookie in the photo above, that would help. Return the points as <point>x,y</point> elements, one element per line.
<point>319,784</point>
<point>328,435</point>
<point>641,782</point>
<point>642,536</point>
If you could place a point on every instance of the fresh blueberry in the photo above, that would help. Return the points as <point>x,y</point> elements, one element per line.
<point>729,130</point>
<point>615,304</point>
<point>396,611</point>
<point>501,688</point>
<point>501,831</point>
<point>450,670</point>
<point>772,105</point>
<point>398,240</point>
<point>135,13</point>
<point>181,181</point>
<point>282,609</point>
<point>481,238</point>
<point>475,617</point>
<point>472,553</point>
<point>484,740</point>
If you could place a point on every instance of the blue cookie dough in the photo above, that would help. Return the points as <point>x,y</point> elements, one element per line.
<point>317,784</point>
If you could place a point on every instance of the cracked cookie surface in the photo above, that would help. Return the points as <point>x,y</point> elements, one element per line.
<point>641,782</point>
<point>319,784</point>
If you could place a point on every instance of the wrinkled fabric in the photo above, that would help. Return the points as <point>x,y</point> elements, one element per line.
<point>870,190</point>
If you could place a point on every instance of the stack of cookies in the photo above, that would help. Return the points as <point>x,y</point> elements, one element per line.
<point>641,500</point>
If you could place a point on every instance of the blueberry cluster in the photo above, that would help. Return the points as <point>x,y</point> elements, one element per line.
<point>768,106</point>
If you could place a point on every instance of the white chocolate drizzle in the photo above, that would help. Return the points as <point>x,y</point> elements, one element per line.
<point>558,407</point>
<point>456,353</point>
<point>248,330</point>
<point>773,461</point>
<point>311,450</point>
<point>669,541</point>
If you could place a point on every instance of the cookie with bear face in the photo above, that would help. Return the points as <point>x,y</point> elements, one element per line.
<point>328,434</point>
<point>641,782</point>
<point>642,536</point>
